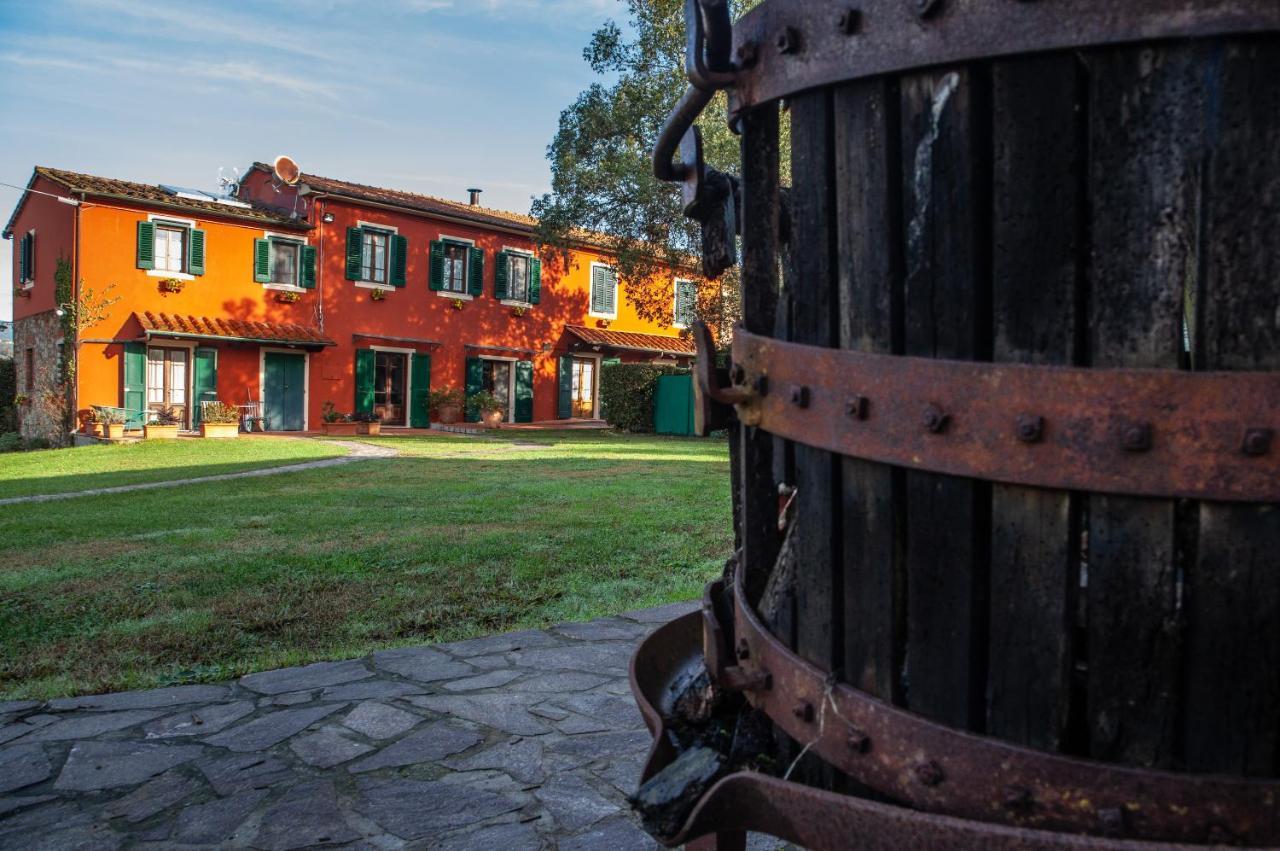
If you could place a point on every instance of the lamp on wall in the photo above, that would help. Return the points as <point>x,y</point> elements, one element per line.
<point>327,218</point>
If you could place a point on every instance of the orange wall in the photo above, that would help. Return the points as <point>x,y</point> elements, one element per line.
<point>53,222</point>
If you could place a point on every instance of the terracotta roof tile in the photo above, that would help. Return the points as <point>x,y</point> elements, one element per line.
<point>148,194</point>
<point>633,341</point>
<point>240,329</point>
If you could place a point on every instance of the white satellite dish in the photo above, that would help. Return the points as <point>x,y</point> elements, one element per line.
<point>286,170</point>
<point>230,187</point>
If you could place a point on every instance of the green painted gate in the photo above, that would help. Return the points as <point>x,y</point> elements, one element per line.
<point>673,404</point>
<point>283,384</point>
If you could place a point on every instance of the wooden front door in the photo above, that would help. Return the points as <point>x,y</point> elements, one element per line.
<point>167,377</point>
<point>584,387</point>
<point>283,390</point>
<point>389,371</point>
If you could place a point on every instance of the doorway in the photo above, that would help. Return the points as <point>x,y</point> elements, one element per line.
<point>167,377</point>
<point>583,395</point>
<point>284,382</point>
<point>496,379</point>
<point>390,370</point>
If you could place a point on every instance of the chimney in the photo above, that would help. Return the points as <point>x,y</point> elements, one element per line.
<point>475,196</point>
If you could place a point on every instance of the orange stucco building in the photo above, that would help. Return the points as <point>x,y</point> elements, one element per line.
<point>299,295</point>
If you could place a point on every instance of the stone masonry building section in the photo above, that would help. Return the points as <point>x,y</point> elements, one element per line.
<point>528,740</point>
<point>37,353</point>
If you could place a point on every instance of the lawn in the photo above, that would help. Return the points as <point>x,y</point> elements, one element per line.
<point>456,537</point>
<point>61,470</point>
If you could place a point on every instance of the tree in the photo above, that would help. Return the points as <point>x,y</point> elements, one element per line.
<point>601,178</point>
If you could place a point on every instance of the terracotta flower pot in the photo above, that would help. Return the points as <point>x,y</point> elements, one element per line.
<point>449,414</point>
<point>219,429</point>
<point>95,429</point>
<point>492,419</point>
<point>340,428</point>
<point>153,431</point>
<point>369,428</point>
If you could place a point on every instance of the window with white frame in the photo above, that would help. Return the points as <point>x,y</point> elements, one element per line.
<point>171,248</point>
<point>604,290</point>
<point>686,303</point>
<point>284,262</point>
<point>373,255</point>
<point>518,277</point>
<point>455,267</point>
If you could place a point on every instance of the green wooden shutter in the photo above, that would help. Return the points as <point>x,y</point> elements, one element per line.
<point>475,383</point>
<point>262,260</point>
<point>611,291</point>
<point>501,267</point>
<point>564,407</point>
<point>146,245</point>
<point>204,381</point>
<point>135,384</point>
<point>475,272</point>
<point>195,252</point>
<point>364,381</point>
<point>524,391</point>
<point>435,275</point>
<point>355,243</point>
<point>535,281</point>
<point>399,259</point>
<point>419,390</point>
<point>307,279</point>
<point>22,257</point>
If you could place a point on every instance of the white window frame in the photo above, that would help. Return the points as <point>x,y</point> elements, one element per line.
<point>408,378</point>
<point>271,236</point>
<point>675,301</point>
<point>511,383</point>
<point>616,287</point>
<point>306,381</point>
<point>388,229</point>
<point>159,220</point>
<point>29,281</point>
<point>528,255</point>
<point>466,270</point>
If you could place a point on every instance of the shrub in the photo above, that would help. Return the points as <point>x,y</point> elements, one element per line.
<point>10,441</point>
<point>444,397</point>
<point>220,413</point>
<point>365,417</point>
<point>8,389</point>
<point>484,402</point>
<point>333,415</point>
<point>626,393</point>
<point>112,416</point>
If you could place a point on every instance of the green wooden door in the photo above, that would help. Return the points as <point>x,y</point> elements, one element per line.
<point>283,387</point>
<point>673,405</point>
<point>204,382</point>
<point>524,392</point>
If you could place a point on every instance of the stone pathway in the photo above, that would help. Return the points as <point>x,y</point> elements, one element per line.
<point>355,452</point>
<point>526,740</point>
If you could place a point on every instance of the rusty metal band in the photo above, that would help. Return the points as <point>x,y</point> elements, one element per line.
<point>939,769</point>
<point>1160,433</point>
<point>812,818</point>
<point>783,47</point>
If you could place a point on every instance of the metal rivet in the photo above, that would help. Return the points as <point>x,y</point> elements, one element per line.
<point>1257,441</point>
<point>1137,437</point>
<point>788,41</point>
<point>935,419</point>
<point>925,8</point>
<point>748,52</point>
<point>1030,428</point>
<point>800,396</point>
<point>803,711</point>
<point>1019,798</point>
<point>857,407</point>
<point>849,21</point>
<point>762,385</point>
<point>930,773</point>
<point>744,649</point>
<point>858,741</point>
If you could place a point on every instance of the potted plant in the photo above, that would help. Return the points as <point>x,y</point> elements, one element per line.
<point>446,403</point>
<point>89,422</point>
<point>457,303</point>
<point>172,285</point>
<point>367,422</point>
<point>519,310</point>
<point>337,422</point>
<point>287,297</point>
<point>162,425</point>
<point>377,295</point>
<point>112,422</point>
<point>492,412</point>
<point>218,419</point>
<point>22,292</point>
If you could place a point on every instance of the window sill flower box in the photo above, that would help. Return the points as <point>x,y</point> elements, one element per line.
<point>377,295</point>
<point>156,431</point>
<point>458,304</point>
<point>172,285</point>
<point>519,311</point>
<point>288,297</point>
<point>22,292</point>
<point>219,430</point>
<point>340,429</point>
<point>603,323</point>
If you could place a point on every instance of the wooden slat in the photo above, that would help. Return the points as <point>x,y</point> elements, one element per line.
<point>946,308</point>
<point>1144,116</point>
<point>869,215</point>
<point>1233,587</point>
<point>813,312</point>
<point>1037,204</point>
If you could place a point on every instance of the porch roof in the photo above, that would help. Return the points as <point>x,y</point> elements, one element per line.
<point>229,330</point>
<point>633,341</point>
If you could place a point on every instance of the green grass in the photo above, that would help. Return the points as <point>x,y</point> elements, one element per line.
<point>51,471</point>
<point>456,537</point>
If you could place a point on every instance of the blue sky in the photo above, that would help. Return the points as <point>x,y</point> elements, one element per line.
<point>427,95</point>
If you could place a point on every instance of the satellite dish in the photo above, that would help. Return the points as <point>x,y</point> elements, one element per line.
<point>286,170</point>
<point>230,187</point>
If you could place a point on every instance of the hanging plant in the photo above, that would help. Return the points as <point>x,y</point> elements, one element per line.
<point>602,323</point>
<point>172,285</point>
<point>457,303</point>
<point>285,297</point>
<point>519,310</point>
<point>378,295</point>
<point>21,292</point>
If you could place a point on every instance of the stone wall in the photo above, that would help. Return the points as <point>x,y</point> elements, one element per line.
<point>44,415</point>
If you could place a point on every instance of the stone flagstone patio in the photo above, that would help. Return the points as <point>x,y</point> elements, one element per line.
<point>523,740</point>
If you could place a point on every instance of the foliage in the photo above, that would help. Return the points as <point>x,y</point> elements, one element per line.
<point>445,397</point>
<point>602,178</point>
<point>165,416</point>
<point>110,416</point>
<point>365,417</point>
<point>626,394</point>
<point>485,402</point>
<point>10,441</point>
<point>332,415</point>
<point>8,389</point>
<point>219,413</point>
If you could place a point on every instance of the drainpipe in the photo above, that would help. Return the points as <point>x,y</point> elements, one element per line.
<point>319,211</point>
<point>75,302</point>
